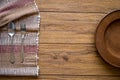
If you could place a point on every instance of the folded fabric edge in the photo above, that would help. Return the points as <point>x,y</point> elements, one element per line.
<point>19,12</point>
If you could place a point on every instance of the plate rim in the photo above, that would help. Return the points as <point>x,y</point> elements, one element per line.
<point>100,40</point>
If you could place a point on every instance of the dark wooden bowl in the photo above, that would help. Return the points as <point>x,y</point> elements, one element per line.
<point>108,38</point>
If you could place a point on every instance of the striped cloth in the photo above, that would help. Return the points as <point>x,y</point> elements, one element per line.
<point>19,12</point>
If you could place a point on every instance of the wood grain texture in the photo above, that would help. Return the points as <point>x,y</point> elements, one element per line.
<point>99,6</point>
<point>63,77</point>
<point>79,78</point>
<point>64,27</point>
<point>55,21</point>
<point>73,59</point>
<point>67,45</point>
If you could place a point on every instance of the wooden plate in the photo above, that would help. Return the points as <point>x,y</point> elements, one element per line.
<point>108,38</point>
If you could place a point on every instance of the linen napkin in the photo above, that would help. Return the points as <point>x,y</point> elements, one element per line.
<point>26,13</point>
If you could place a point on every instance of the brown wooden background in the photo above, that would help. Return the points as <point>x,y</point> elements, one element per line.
<point>67,45</point>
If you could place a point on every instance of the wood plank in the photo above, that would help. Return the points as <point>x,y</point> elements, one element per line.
<point>64,27</point>
<point>63,77</point>
<point>74,27</point>
<point>65,37</point>
<point>102,6</point>
<point>73,59</point>
<point>80,78</point>
<point>82,22</point>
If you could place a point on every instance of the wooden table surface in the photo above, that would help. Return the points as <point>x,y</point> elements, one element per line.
<point>67,45</point>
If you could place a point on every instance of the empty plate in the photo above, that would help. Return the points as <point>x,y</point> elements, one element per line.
<point>108,38</point>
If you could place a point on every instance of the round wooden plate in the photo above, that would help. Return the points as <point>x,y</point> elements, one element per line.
<point>108,38</point>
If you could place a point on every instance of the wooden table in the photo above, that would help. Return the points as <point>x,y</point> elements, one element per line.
<point>67,45</point>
